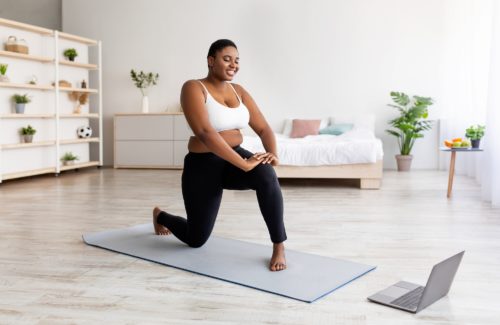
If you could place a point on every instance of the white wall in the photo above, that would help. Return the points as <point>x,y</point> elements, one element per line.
<point>43,13</point>
<point>298,58</point>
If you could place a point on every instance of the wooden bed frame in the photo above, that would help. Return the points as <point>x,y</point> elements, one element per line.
<point>370,175</point>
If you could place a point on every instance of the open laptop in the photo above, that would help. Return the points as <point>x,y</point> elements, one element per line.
<point>413,297</point>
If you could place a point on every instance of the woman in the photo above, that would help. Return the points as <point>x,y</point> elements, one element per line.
<point>216,110</point>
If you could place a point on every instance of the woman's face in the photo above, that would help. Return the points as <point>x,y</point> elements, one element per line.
<point>225,65</point>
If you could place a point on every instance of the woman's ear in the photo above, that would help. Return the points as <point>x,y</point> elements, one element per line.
<point>210,61</point>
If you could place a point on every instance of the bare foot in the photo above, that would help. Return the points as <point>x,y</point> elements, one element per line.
<point>278,262</point>
<point>159,229</point>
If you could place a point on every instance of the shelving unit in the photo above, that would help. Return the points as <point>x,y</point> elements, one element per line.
<point>26,116</point>
<point>73,141</point>
<point>28,145</point>
<point>25,86</point>
<point>79,65</point>
<point>51,111</point>
<point>22,56</point>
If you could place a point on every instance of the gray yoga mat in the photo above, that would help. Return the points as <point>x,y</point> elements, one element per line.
<point>307,278</point>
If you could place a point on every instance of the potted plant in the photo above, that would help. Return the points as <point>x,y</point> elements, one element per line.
<point>27,133</point>
<point>71,54</point>
<point>409,125</point>
<point>21,101</point>
<point>475,133</point>
<point>69,159</point>
<point>3,71</point>
<point>143,81</point>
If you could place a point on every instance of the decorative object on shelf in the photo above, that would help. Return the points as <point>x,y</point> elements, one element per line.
<point>33,80</point>
<point>27,133</point>
<point>15,45</point>
<point>84,132</point>
<point>21,101</point>
<point>3,71</point>
<point>69,158</point>
<point>63,83</point>
<point>143,81</point>
<point>84,84</point>
<point>71,54</point>
<point>475,133</point>
<point>409,125</point>
<point>80,98</point>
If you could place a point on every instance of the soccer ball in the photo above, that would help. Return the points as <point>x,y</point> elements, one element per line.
<point>84,132</point>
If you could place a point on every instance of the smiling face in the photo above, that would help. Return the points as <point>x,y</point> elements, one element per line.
<point>225,64</point>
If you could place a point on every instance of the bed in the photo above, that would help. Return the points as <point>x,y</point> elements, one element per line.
<point>354,154</point>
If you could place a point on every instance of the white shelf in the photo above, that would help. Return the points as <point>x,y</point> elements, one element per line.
<point>71,37</point>
<point>27,116</point>
<point>74,141</point>
<point>89,66</point>
<point>80,90</point>
<point>22,56</point>
<point>47,87</point>
<point>28,145</point>
<point>26,27</point>
<point>149,114</point>
<point>27,173</point>
<point>89,115</point>
<point>80,165</point>
<point>25,86</point>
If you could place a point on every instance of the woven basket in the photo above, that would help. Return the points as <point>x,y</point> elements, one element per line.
<point>17,48</point>
<point>63,83</point>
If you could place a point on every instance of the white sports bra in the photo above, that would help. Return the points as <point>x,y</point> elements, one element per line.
<point>226,118</point>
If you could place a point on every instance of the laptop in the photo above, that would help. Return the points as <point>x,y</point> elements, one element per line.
<point>413,297</point>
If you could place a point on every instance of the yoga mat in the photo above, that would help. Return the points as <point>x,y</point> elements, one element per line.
<point>307,278</point>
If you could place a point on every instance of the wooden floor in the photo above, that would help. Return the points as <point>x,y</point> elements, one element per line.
<point>49,276</point>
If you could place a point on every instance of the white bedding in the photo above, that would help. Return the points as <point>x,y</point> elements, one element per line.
<point>357,146</point>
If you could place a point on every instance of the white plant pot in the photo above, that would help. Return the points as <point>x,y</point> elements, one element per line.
<point>28,138</point>
<point>20,108</point>
<point>145,104</point>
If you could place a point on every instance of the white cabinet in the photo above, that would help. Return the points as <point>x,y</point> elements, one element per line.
<point>52,111</point>
<point>153,140</point>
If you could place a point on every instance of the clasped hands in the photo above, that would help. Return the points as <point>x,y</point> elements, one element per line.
<point>262,158</point>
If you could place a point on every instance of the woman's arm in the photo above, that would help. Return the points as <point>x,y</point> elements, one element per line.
<point>259,124</point>
<point>193,105</point>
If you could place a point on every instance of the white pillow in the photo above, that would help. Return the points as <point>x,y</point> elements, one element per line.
<point>287,128</point>
<point>361,121</point>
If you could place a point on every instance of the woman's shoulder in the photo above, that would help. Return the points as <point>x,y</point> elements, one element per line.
<point>239,89</point>
<point>193,85</point>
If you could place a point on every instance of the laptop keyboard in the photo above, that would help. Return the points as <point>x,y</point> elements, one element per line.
<point>409,300</point>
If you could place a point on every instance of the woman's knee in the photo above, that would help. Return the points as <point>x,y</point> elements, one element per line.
<point>198,236</point>
<point>197,242</point>
<point>265,175</point>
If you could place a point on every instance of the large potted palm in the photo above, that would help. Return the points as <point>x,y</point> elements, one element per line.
<point>410,124</point>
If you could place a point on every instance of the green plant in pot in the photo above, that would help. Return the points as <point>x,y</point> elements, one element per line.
<point>409,125</point>
<point>475,133</point>
<point>143,81</point>
<point>21,101</point>
<point>27,133</point>
<point>69,159</point>
<point>3,71</point>
<point>71,54</point>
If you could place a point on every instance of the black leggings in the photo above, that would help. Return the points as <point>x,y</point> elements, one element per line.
<point>204,178</point>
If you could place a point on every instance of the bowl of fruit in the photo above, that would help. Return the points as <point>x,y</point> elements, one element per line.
<point>457,143</point>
